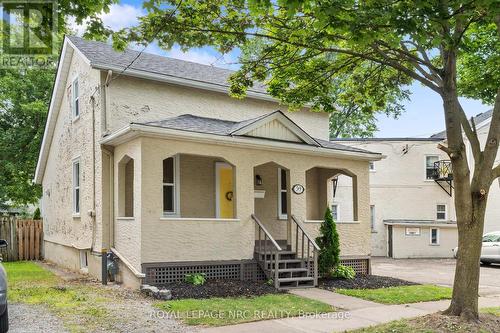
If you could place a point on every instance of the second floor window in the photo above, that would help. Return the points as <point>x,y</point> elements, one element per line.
<point>441,212</point>
<point>429,166</point>
<point>75,102</point>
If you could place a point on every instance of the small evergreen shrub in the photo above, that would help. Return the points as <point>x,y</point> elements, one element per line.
<point>37,215</point>
<point>196,279</point>
<point>343,272</point>
<point>328,241</point>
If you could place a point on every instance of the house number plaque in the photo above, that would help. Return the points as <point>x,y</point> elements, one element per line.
<point>298,189</point>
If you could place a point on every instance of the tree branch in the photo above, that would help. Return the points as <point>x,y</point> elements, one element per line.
<point>470,133</point>
<point>495,173</point>
<point>396,64</point>
<point>447,150</point>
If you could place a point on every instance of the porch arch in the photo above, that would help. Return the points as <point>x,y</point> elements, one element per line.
<point>192,186</point>
<point>326,187</point>
<point>272,204</point>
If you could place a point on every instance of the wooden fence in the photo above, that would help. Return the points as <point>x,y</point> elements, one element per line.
<point>25,238</point>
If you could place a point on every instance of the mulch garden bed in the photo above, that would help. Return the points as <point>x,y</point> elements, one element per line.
<point>363,282</point>
<point>220,288</point>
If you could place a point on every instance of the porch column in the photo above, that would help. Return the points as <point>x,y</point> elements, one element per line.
<point>297,202</point>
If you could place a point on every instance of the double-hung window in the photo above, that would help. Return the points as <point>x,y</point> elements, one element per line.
<point>441,213</point>
<point>335,212</point>
<point>372,217</point>
<point>76,186</point>
<point>282,195</point>
<point>170,186</point>
<point>75,99</point>
<point>430,171</point>
<point>434,236</point>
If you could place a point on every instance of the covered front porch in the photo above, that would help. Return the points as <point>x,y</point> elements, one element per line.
<point>230,208</point>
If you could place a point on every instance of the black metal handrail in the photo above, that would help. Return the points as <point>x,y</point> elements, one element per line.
<point>310,243</point>
<point>272,251</point>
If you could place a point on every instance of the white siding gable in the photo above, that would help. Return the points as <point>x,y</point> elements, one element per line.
<point>274,130</point>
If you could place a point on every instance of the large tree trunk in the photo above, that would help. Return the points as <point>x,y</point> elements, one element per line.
<point>470,202</point>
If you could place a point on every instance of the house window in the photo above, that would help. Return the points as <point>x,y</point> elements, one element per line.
<point>76,186</point>
<point>84,261</point>
<point>372,217</point>
<point>75,102</point>
<point>371,166</point>
<point>441,212</point>
<point>412,231</point>
<point>430,172</point>
<point>126,187</point>
<point>170,186</point>
<point>282,195</point>
<point>335,212</point>
<point>434,236</point>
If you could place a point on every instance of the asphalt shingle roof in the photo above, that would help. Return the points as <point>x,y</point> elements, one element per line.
<point>192,123</point>
<point>477,120</point>
<point>102,55</point>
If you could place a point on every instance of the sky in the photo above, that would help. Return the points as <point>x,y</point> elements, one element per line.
<point>424,111</point>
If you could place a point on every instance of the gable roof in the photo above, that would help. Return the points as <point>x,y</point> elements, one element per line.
<point>102,56</point>
<point>219,127</point>
<point>478,119</point>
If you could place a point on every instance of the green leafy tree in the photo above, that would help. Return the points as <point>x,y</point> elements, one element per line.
<point>451,47</point>
<point>24,101</point>
<point>328,241</point>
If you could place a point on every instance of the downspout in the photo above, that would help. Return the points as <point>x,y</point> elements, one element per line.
<point>92,213</point>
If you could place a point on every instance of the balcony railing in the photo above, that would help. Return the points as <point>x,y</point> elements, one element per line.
<point>442,170</point>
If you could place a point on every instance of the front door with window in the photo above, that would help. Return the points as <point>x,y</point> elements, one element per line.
<point>224,190</point>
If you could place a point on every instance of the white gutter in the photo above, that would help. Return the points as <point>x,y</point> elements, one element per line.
<point>127,263</point>
<point>136,130</point>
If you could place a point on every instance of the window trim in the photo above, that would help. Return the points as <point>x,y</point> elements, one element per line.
<point>281,216</point>
<point>84,260</point>
<point>76,161</point>
<point>438,232</point>
<point>445,212</point>
<point>74,99</point>
<point>425,166</point>
<point>176,185</point>
<point>336,204</point>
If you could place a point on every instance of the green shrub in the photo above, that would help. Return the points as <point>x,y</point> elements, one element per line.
<point>344,272</point>
<point>37,215</point>
<point>328,241</point>
<point>196,279</point>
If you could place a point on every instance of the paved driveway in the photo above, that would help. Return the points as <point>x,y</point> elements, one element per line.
<point>435,271</point>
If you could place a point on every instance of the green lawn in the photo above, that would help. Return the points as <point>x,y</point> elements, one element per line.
<point>227,311</point>
<point>78,306</point>
<point>494,311</point>
<point>400,295</point>
<point>439,324</point>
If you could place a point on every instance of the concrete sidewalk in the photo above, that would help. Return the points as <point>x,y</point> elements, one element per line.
<point>355,313</point>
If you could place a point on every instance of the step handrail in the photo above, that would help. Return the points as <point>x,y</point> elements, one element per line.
<point>315,249</point>
<point>272,252</point>
<point>261,226</point>
<point>313,242</point>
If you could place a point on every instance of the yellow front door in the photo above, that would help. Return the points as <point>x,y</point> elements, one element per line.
<point>225,195</point>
